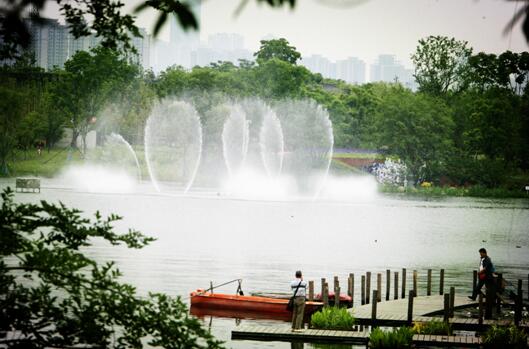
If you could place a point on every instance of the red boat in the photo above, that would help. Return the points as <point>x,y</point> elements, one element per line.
<point>260,306</point>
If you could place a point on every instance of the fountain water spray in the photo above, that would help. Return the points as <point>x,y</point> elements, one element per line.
<point>235,139</point>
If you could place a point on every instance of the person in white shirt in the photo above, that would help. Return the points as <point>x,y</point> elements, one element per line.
<point>299,291</point>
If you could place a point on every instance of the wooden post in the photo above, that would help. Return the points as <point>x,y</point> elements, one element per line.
<point>499,282</point>
<point>379,287</point>
<point>311,290</point>
<point>336,283</point>
<point>452,300</point>
<point>374,308</point>
<point>323,281</point>
<point>520,291</point>
<point>480,307</point>
<point>337,296</point>
<point>368,286</point>
<point>410,308</point>
<point>518,305</point>
<point>415,283</point>
<point>349,285</point>
<point>403,290</point>
<point>429,283</point>
<point>474,279</point>
<point>363,290</point>
<point>528,287</point>
<point>352,279</point>
<point>446,307</point>
<point>441,282</point>
<point>325,294</point>
<point>396,286</point>
<point>489,300</point>
<point>388,283</point>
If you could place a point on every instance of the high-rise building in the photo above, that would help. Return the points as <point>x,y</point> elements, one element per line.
<point>352,70</point>
<point>388,69</point>
<point>53,44</point>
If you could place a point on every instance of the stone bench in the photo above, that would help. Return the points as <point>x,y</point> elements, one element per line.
<point>27,185</point>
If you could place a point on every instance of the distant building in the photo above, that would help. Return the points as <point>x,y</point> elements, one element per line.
<point>351,70</point>
<point>53,44</point>
<point>388,69</point>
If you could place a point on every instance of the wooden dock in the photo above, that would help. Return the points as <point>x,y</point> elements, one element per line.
<point>283,333</point>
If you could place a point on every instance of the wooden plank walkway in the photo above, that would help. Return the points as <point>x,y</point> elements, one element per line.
<point>446,341</point>
<point>284,333</point>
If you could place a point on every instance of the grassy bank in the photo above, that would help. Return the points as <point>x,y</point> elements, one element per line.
<point>47,164</point>
<point>472,191</point>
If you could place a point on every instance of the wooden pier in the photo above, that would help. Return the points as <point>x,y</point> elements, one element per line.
<point>284,333</point>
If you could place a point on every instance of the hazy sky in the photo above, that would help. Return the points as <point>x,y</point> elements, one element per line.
<point>338,29</point>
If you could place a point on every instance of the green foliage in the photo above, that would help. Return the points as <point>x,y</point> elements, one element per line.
<point>440,64</point>
<point>434,327</point>
<point>498,337</point>
<point>11,102</point>
<point>332,318</point>
<point>279,49</point>
<point>59,297</point>
<point>396,339</point>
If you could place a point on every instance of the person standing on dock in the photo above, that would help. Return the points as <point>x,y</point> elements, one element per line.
<point>299,291</point>
<point>485,273</point>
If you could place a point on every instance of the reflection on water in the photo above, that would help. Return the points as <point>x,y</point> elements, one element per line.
<point>204,237</point>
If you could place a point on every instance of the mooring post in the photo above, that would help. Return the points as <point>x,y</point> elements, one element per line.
<point>352,281</point>
<point>452,300</point>
<point>489,300</point>
<point>499,286</point>
<point>403,290</point>
<point>480,307</point>
<point>349,285</point>
<point>474,279</point>
<point>396,286</point>
<point>374,308</point>
<point>518,305</point>
<point>441,282</point>
<point>528,287</point>
<point>368,286</point>
<point>446,313</point>
<point>311,290</point>
<point>415,283</point>
<point>388,283</point>
<point>379,287</point>
<point>429,283</point>
<point>363,290</point>
<point>410,308</point>
<point>325,294</point>
<point>323,281</point>
<point>337,296</point>
<point>336,283</point>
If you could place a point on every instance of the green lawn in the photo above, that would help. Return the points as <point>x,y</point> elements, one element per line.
<point>47,164</point>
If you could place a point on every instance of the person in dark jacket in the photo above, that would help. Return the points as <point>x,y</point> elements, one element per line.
<point>484,273</point>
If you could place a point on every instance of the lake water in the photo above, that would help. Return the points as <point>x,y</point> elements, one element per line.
<point>205,237</point>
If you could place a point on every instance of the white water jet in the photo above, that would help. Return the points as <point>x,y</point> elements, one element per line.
<point>308,141</point>
<point>173,144</point>
<point>271,143</point>
<point>120,139</point>
<point>235,139</point>
<point>98,179</point>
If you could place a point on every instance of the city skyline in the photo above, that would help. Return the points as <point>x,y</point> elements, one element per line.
<point>357,28</point>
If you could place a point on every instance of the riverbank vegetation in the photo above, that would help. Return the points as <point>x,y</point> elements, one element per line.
<point>332,318</point>
<point>465,131</point>
<point>54,295</point>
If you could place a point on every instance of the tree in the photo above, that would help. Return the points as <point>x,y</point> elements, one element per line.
<point>417,128</point>
<point>11,102</point>
<point>278,79</point>
<point>277,48</point>
<point>56,296</point>
<point>89,82</point>
<point>440,64</point>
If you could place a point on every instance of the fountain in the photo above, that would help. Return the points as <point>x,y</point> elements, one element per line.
<point>271,144</point>
<point>235,139</point>
<point>173,145</point>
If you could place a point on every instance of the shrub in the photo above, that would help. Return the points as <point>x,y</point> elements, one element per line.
<point>504,337</point>
<point>397,338</point>
<point>332,318</point>
<point>434,327</point>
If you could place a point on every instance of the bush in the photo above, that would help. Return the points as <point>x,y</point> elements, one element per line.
<point>397,338</point>
<point>504,337</point>
<point>433,327</point>
<point>332,318</point>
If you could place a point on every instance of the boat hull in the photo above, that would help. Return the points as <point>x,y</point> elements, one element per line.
<point>246,306</point>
